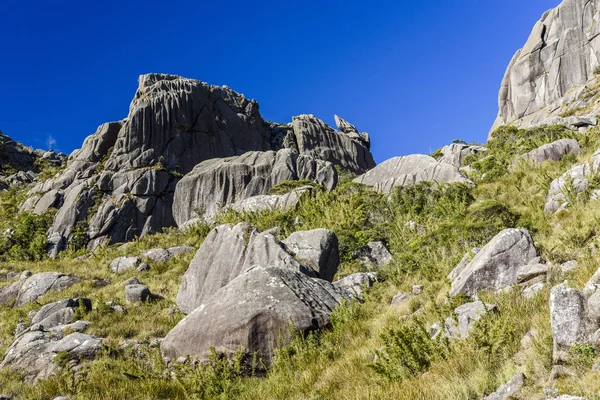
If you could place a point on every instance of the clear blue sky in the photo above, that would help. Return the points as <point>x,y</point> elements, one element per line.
<point>414,74</point>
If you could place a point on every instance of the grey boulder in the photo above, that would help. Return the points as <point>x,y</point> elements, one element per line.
<point>554,151</point>
<point>510,389</point>
<point>253,311</point>
<point>226,252</point>
<point>58,313</point>
<point>164,255</point>
<point>33,352</point>
<point>456,153</point>
<point>409,170</point>
<point>355,284</point>
<point>35,286</point>
<point>374,254</point>
<point>137,293</point>
<point>575,180</point>
<point>460,323</point>
<point>216,183</point>
<point>318,249</point>
<point>271,201</point>
<point>496,265</point>
<point>123,264</point>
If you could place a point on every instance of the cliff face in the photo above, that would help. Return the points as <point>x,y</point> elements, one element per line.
<point>552,76</point>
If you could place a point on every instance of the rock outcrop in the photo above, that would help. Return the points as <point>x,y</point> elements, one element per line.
<point>229,250</point>
<point>409,170</point>
<point>271,201</point>
<point>496,266</point>
<point>355,284</point>
<point>373,255</point>
<point>554,151</point>
<point>30,289</point>
<point>510,389</point>
<point>348,149</point>
<point>253,311</point>
<point>554,73</point>
<point>216,183</point>
<point>462,320</point>
<point>576,180</point>
<point>318,249</point>
<point>121,183</point>
<point>455,153</point>
<point>33,352</point>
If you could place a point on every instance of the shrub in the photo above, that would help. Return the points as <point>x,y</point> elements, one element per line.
<point>407,351</point>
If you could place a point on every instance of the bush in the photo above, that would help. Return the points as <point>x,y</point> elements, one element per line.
<point>406,351</point>
<point>28,240</point>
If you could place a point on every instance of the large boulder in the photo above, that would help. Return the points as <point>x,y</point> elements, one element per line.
<point>227,251</point>
<point>551,74</point>
<point>29,290</point>
<point>318,249</point>
<point>58,313</point>
<point>33,352</point>
<point>554,151</point>
<point>355,284</point>
<point>455,153</point>
<point>496,265</point>
<point>568,319</point>
<point>374,255</point>
<point>164,255</point>
<point>271,202</point>
<point>254,311</point>
<point>409,170</point>
<point>216,183</point>
<point>575,180</point>
<point>348,149</point>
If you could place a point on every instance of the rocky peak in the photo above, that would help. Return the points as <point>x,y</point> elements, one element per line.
<point>553,75</point>
<point>121,183</point>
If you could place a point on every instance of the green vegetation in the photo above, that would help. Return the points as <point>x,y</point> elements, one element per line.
<point>372,350</point>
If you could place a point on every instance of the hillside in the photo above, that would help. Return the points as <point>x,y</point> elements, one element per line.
<point>194,250</point>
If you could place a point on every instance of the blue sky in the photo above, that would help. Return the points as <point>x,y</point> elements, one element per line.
<point>414,74</point>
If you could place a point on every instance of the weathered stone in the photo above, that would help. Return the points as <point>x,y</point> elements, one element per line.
<point>549,75</point>
<point>531,291</point>
<point>58,313</point>
<point>464,262</point>
<point>497,264</point>
<point>456,153</point>
<point>164,255</point>
<point>142,267</point>
<point>318,249</point>
<point>137,293</point>
<point>216,183</point>
<point>355,284</point>
<point>568,266</point>
<point>374,254</point>
<point>530,271</point>
<point>574,180</point>
<point>131,281</point>
<point>417,289</point>
<point>226,252</point>
<point>400,298</point>
<point>510,389</point>
<point>349,150</point>
<point>254,311</point>
<point>9,293</point>
<point>271,202</point>
<point>554,151</point>
<point>33,352</point>
<point>123,264</point>
<point>39,284</point>
<point>465,317</point>
<point>567,317</point>
<point>409,170</point>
